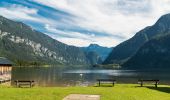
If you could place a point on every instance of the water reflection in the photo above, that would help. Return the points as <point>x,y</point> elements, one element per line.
<point>53,76</point>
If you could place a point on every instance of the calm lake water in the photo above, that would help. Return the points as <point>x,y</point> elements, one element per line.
<point>53,76</point>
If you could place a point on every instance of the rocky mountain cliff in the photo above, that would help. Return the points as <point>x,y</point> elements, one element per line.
<point>24,45</point>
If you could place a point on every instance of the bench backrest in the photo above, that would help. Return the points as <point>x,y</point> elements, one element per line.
<point>23,81</point>
<point>105,80</point>
<point>148,80</point>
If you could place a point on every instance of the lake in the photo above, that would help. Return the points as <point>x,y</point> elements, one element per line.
<point>53,76</point>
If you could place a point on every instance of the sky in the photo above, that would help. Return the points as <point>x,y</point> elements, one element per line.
<point>82,22</point>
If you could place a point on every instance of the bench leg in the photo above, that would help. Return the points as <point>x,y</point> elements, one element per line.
<point>30,84</point>
<point>113,83</point>
<point>17,84</point>
<point>156,84</point>
<point>141,84</point>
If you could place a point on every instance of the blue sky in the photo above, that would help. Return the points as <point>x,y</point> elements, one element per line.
<point>81,22</point>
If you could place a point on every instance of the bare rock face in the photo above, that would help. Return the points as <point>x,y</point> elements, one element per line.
<point>20,43</point>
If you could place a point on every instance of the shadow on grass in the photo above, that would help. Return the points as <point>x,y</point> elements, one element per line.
<point>161,89</point>
<point>147,86</point>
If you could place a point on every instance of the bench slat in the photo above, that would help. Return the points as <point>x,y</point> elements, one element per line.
<point>106,81</point>
<point>24,81</point>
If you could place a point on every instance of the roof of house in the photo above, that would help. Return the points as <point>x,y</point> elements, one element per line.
<point>5,61</point>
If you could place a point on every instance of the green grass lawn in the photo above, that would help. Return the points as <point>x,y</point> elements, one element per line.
<point>118,92</point>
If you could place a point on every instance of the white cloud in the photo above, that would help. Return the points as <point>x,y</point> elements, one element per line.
<point>122,18</point>
<point>114,17</point>
<point>64,33</point>
<point>83,42</point>
<point>79,39</point>
<point>22,13</point>
<point>18,12</point>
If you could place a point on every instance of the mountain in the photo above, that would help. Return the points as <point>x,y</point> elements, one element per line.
<point>127,49</point>
<point>153,54</point>
<point>24,45</point>
<point>103,52</point>
<point>93,58</point>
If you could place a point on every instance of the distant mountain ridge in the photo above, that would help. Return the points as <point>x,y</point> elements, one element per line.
<point>22,44</point>
<point>103,52</point>
<point>125,50</point>
<point>155,54</point>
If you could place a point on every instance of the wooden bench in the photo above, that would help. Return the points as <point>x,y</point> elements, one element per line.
<point>20,83</point>
<point>4,80</point>
<point>141,82</point>
<point>106,81</point>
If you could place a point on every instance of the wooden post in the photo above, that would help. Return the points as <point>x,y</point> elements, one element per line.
<point>113,83</point>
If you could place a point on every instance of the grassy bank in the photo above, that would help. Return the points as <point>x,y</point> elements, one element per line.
<point>119,92</point>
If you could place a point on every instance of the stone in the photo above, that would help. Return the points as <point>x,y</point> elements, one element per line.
<point>82,97</point>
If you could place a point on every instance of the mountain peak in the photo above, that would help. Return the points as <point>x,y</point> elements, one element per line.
<point>165,16</point>
<point>94,45</point>
<point>127,49</point>
<point>100,50</point>
<point>165,20</point>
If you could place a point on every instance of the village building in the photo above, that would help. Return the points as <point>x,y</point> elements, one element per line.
<point>5,70</point>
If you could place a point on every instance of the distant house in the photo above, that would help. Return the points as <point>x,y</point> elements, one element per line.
<point>5,65</point>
